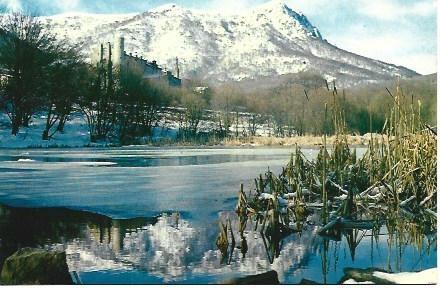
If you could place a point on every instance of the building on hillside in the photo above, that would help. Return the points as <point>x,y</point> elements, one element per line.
<point>128,62</point>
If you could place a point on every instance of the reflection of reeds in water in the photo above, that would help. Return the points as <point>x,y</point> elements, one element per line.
<point>225,243</point>
<point>394,183</point>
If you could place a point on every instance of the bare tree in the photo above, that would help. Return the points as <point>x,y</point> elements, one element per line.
<point>99,103</point>
<point>24,48</point>
<point>139,104</point>
<point>66,83</point>
<point>195,108</point>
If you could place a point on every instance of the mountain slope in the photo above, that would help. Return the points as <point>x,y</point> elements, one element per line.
<point>269,40</point>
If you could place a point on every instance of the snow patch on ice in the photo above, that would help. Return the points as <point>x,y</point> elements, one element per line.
<point>352,282</point>
<point>25,160</point>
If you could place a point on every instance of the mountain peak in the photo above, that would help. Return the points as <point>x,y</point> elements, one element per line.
<point>166,8</point>
<point>272,6</point>
<point>267,41</point>
<point>278,10</point>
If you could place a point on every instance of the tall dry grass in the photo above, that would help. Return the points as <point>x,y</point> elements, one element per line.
<point>394,183</point>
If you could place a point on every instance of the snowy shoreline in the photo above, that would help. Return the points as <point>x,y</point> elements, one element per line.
<point>76,135</point>
<point>369,276</point>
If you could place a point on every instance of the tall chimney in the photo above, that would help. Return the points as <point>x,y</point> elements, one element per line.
<point>110,52</point>
<point>177,68</point>
<point>102,53</point>
<point>121,49</point>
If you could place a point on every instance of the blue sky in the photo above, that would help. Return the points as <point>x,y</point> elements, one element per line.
<point>403,32</point>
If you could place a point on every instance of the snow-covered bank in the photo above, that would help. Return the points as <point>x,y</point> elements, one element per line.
<point>360,276</point>
<point>428,276</point>
<point>75,133</point>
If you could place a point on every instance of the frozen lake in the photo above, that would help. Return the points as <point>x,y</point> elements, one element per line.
<point>132,182</point>
<point>190,189</point>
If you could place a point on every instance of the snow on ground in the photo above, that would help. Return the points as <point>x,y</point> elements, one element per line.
<point>428,276</point>
<point>76,133</point>
<point>353,282</point>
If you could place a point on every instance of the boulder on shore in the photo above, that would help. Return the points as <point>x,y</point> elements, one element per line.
<point>267,278</point>
<point>35,266</point>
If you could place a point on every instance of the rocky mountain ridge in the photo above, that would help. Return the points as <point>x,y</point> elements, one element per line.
<point>269,40</point>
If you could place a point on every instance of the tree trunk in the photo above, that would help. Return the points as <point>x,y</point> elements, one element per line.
<point>61,124</point>
<point>45,135</point>
<point>25,120</point>
<point>15,127</point>
<point>93,138</point>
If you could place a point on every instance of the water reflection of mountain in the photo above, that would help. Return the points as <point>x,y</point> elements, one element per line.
<point>173,249</point>
<point>37,227</point>
<point>167,247</point>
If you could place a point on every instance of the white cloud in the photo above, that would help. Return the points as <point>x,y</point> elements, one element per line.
<point>399,49</point>
<point>230,6</point>
<point>315,7</point>
<point>68,5</point>
<point>13,5</point>
<point>392,10</point>
<point>61,6</point>
<point>379,29</point>
<point>421,63</point>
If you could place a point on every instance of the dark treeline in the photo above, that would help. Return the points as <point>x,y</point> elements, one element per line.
<point>42,74</point>
<point>296,107</point>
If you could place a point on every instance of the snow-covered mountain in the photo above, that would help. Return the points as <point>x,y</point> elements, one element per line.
<point>269,40</point>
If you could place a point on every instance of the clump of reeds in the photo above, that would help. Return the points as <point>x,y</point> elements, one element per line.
<point>225,243</point>
<point>395,180</point>
<point>404,165</point>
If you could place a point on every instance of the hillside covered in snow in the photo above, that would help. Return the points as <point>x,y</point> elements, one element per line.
<point>269,40</point>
